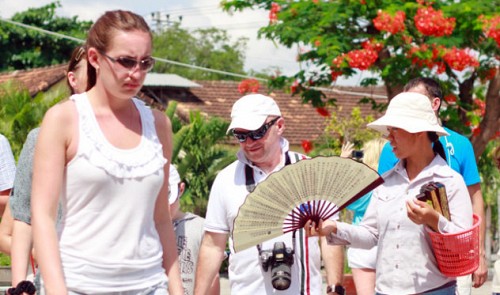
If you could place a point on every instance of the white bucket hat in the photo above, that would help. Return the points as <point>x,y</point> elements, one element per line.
<point>411,112</point>
<point>173,184</point>
<point>250,112</point>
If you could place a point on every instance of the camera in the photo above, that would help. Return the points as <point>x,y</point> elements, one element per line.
<point>357,155</point>
<point>280,260</point>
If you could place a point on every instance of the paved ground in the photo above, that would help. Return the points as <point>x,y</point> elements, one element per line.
<point>484,290</point>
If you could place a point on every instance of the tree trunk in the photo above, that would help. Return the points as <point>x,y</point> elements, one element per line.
<point>490,124</point>
<point>465,93</point>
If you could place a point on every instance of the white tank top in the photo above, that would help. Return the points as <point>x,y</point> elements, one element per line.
<point>107,236</point>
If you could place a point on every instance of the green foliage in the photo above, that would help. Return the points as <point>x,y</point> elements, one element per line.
<point>20,113</point>
<point>210,48</point>
<point>342,129</point>
<point>23,48</point>
<point>490,175</point>
<point>4,259</point>
<point>198,156</point>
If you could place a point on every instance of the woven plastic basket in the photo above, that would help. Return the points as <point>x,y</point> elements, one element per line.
<point>457,254</point>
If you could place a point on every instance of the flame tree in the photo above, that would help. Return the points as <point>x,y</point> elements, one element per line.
<point>456,42</point>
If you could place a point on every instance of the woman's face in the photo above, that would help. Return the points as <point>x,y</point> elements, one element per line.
<point>402,142</point>
<point>118,78</point>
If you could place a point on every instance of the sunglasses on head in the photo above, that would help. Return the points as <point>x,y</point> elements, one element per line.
<point>256,134</point>
<point>145,64</point>
<point>79,53</point>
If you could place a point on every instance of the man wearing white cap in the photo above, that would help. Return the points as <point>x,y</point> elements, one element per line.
<point>188,229</point>
<point>395,219</point>
<point>257,124</point>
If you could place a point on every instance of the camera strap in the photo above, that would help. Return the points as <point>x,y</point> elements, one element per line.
<point>250,180</point>
<point>250,183</point>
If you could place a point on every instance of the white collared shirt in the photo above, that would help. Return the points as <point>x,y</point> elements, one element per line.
<point>405,260</point>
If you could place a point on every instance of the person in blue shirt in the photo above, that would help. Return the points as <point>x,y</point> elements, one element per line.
<point>460,157</point>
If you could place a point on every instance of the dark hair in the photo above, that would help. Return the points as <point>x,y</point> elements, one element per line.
<point>431,86</point>
<point>77,55</point>
<point>437,147</point>
<point>103,30</point>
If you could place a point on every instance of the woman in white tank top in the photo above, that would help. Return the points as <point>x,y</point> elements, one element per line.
<point>104,154</point>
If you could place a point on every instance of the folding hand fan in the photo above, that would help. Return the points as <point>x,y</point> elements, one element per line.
<point>310,189</point>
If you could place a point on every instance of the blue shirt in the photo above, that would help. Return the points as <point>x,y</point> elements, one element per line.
<point>359,208</point>
<point>459,156</point>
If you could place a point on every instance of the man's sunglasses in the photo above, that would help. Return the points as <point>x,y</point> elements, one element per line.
<point>145,64</point>
<point>256,134</point>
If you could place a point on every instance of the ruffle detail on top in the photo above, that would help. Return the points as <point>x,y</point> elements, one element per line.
<point>143,160</point>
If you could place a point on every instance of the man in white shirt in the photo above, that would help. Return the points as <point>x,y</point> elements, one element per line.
<point>7,171</point>
<point>258,126</point>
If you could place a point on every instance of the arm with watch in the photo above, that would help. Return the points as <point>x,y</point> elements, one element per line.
<point>333,261</point>
<point>335,290</point>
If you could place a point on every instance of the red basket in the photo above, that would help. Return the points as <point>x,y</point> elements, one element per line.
<point>457,254</point>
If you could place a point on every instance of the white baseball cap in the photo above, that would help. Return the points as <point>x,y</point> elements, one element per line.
<point>250,111</point>
<point>411,112</point>
<point>173,184</point>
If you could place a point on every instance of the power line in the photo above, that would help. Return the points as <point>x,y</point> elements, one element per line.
<point>157,58</point>
<point>42,30</point>
<point>208,69</point>
<point>29,27</point>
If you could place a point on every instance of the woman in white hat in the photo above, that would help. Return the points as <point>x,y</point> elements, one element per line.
<point>395,219</point>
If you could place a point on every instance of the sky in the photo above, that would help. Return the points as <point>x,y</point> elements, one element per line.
<point>260,54</point>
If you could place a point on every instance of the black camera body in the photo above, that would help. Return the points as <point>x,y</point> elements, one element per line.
<point>357,155</point>
<point>280,260</point>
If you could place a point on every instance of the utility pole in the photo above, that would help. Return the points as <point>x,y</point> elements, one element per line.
<point>161,20</point>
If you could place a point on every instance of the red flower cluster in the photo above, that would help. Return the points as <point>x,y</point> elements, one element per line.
<point>372,45</point>
<point>459,59</point>
<point>476,131</point>
<point>336,66</point>
<point>487,74</point>
<point>323,112</point>
<point>480,107</point>
<point>362,59</point>
<point>248,85</point>
<point>431,22</point>
<point>388,23</point>
<point>273,13</point>
<point>307,146</point>
<point>294,86</point>
<point>450,98</point>
<point>335,74</point>
<point>491,27</point>
<point>423,56</point>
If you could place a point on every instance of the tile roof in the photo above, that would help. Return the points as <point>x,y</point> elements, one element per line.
<point>215,98</point>
<point>168,80</point>
<point>36,80</point>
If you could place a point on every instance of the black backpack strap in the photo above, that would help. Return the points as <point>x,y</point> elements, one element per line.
<point>249,180</point>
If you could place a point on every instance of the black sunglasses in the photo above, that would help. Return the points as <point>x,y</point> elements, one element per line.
<point>145,64</point>
<point>256,134</point>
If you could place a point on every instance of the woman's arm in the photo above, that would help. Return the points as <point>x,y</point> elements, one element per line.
<point>162,216</point>
<point>6,231</point>
<point>22,243</point>
<point>51,156</point>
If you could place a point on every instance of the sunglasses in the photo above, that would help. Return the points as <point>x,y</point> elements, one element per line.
<point>256,134</point>
<point>79,53</point>
<point>145,64</point>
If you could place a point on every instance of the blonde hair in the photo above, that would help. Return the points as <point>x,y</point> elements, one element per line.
<point>371,152</point>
